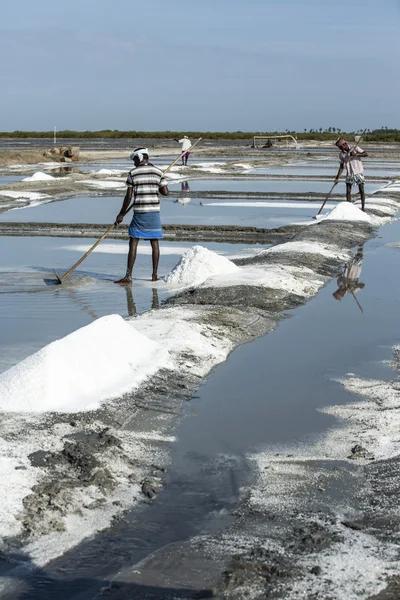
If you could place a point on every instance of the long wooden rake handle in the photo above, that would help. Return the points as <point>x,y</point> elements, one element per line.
<point>87,253</point>
<point>324,202</point>
<point>105,234</point>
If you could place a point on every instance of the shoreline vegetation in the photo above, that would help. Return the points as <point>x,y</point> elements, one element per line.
<point>332,133</point>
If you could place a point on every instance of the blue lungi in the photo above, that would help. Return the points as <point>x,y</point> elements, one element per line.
<point>146,226</point>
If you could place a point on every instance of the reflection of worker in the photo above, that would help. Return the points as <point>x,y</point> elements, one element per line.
<point>348,281</point>
<point>131,306</point>
<point>183,199</point>
<point>351,159</point>
<point>186,144</point>
<point>144,182</point>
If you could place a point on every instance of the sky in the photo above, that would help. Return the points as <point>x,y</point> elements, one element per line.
<point>199,65</point>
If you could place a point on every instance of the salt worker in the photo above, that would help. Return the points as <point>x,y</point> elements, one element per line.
<point>186,144</point>
<point>351,159</point>
<point>145,182</point>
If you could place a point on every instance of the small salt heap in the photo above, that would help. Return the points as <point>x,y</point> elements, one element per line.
<point>198,264</point>
<point>345,211</point>
<point>39,176</point>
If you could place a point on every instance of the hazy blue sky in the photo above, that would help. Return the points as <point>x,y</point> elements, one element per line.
<point>199,65</point>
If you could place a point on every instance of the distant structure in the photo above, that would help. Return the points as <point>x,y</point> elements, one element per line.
<point>265,141</point>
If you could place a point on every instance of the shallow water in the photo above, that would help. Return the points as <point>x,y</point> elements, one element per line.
<point>254,185</point>
<point>34,311</point>
<point>179,209</point>
<point>10,178</point>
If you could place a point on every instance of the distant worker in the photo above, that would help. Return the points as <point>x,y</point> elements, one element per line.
<point>351,159</point>
<point>144,182</point>
<point>186,144</point>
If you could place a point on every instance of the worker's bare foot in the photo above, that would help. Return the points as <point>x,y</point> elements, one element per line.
<point>124,281</point>
<point>154,277</point>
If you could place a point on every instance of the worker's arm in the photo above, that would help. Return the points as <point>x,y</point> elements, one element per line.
<point>164,191</point>
<point>362,154</point>
<point>127,200</point>
<point>339,173</point>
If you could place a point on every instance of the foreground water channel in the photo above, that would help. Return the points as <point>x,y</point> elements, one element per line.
<point>244,404</point>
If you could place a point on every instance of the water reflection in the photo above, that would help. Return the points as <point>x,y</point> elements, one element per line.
<point>348,281</point>
<point>182,198</point>
<point>130,302</point>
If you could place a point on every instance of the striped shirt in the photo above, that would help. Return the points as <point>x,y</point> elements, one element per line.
<point>146,180</point>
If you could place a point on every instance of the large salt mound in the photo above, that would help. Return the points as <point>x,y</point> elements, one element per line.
<point>345,211</point>
<point>197,265</point>
<point>39,176</point>
<point>76,373</point>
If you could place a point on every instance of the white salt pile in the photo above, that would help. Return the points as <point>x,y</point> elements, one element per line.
<point>103,360</point>
<point>197,265</point>
<point>39,176</point>
<point>110,172</point>
<point>345,211</point>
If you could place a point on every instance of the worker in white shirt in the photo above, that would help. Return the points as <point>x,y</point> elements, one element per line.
<point>186,145</point>
<point>351,159</point>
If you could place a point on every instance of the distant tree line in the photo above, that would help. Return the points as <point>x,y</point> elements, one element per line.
<point>384,134</point>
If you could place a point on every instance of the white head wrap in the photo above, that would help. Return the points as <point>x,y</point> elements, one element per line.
<point>139,153</point>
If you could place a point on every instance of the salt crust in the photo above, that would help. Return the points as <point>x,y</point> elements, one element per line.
<point>104,184</point>
<point>108,172</point>
<point>39,176</point>
<point>202,267</point>
<point>300,281</point>
<point>354,569</point>
<point>82,520</point>
<point>94,363</point>
<point>23,195</point>
<point>328,250</point>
